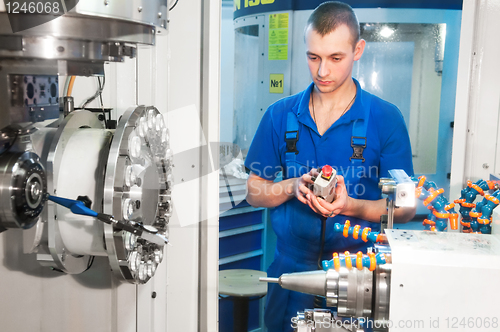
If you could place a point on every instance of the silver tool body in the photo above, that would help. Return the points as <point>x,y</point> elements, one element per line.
<point>325,183</point>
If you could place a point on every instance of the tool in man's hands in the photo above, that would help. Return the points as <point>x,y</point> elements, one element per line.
<point>147,232</point>
<point>325,183</point>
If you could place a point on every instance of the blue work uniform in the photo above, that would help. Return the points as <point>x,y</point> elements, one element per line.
<point>298,228</point>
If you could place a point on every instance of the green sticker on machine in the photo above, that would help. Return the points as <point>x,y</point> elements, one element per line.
<point>276,82</point>
<point>278,37</point>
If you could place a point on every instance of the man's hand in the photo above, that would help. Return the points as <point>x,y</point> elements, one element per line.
<point>301,186</point>
<point>320,206</point>
<point>265,193</point>
<point>369,210</point>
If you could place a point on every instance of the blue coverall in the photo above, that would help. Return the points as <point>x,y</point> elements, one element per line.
<point>297,227</point>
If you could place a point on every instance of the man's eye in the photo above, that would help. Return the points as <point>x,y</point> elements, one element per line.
<point>337,59</point>
<point>313,58</point>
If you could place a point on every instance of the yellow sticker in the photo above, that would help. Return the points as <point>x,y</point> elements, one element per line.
<point>278,52</point>
<point>278,37</point>
<point>276,82</point>
<point>273,21</point>
<point>278,21</point>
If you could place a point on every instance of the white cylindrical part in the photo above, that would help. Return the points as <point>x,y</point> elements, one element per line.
<point>40,137</point>
<point>79,172</point>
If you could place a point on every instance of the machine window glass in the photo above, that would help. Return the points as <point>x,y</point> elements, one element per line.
<point>239,119</point>
<point>246,85</point>
<point>403,64</point>
<point>250,30</point>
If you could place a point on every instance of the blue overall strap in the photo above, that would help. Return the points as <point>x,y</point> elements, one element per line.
<point>358,138</point>
<point>291,138</point>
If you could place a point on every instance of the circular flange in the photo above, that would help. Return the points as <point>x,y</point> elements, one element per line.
<point>61,258</point>
<point>355,293</point>
<point>65,49</point>
<point>382,294</point>
<point>137,190</point>
<point>79,27</point>
<point>23,187</point>
<point>332,288</point>
<point>73,37</point>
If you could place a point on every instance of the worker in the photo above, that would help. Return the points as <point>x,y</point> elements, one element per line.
<point>332,122</point>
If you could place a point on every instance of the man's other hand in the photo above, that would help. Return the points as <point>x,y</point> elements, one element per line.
<point>322,207</point>
<point>301,186</point>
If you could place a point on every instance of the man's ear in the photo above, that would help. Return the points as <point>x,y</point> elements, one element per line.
<point>359,49</point>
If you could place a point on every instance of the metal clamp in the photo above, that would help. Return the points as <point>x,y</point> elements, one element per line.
<point>291,138</point>
<point>357,148</point>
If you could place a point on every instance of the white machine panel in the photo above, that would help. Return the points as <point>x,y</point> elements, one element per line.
<point>495,225</point>
<point>444,281</point>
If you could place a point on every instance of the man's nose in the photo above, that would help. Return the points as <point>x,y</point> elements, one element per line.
<point>323,70</point>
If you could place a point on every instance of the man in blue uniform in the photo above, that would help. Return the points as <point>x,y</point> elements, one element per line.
<point>333,122</point>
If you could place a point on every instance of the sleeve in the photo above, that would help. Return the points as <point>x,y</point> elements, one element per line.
<point>263,157</point>
<point>395,143</point>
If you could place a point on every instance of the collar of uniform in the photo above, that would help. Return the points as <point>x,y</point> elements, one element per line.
<point>303,107</point>
<point>354,113</point>
<point>357,109</point>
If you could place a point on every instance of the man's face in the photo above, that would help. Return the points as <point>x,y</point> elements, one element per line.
<point>331,57</point>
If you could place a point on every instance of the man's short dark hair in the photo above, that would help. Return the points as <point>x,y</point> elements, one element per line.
<point>330,15</point>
